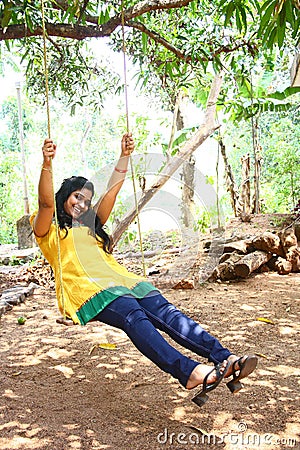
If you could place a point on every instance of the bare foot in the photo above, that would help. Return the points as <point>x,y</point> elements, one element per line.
<point>200,372</point>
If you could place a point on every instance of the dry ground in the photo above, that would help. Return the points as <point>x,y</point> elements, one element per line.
<point>55,395</point>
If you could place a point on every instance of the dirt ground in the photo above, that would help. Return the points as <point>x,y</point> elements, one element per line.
<point>59,392</point>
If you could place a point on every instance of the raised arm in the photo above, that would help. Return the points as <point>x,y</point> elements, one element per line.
<point>45,191</point>
<point>106,203</point>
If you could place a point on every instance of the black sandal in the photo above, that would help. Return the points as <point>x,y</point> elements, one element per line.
<point>202,396</point>
<point>244,369</point>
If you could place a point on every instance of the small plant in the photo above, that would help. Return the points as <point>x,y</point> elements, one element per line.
<point>203,222</point>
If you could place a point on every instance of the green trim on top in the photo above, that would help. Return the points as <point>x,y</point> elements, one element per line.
<point>98,302</point>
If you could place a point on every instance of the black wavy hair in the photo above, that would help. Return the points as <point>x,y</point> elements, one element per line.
<point>90,218</point>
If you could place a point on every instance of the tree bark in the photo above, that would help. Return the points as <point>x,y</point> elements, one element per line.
<point>208,127</point>
<point>288,240</point>
<point>297,230</point>
<point>230,183</point>
<point>245,186</point>
<point>251,262</point>
<point>257,165</point>
<point>268,242</point>
<point>188,178</point>
<point>283,266</point>
<point>226,269</point>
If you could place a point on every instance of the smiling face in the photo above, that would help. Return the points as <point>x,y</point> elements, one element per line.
<point>78,203</point>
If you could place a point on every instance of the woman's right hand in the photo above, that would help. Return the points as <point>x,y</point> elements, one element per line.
<point>49,150</point>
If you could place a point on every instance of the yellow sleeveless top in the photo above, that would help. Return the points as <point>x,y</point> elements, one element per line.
<point>91,278</point>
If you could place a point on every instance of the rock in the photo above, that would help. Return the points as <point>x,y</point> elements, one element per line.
<point>25,235</point>
<point>184,284</point>
<point>15,295</point>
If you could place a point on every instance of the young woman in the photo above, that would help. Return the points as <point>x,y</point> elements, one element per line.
<point>92,285</point>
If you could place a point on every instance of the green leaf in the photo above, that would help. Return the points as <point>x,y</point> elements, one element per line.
<point>285,94</point>
<point>6,16</point>
<point>265,36</point>
<point>264,6</point>
<point>7,44</point>
<point>193,6</point>
<point>280,35</point>
<point>266,17</point>
<point>289,13</point>
<point>243,15</point>
<point>272,37</point>
<point>168,68</point>
<point>144,42</point>
<point>238,20</point>
<point>28,20</point>
<point>282,16</point>
<point>229,13</point>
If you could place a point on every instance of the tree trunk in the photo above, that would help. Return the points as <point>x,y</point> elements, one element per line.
<point>257,166</point>
<point>226,269</point>
<point>230,183</point>
<point>188,167</point>
<point>208,127</point>
<point>177,123</point>
<point>187,204</point>
<point>21,133</point>
<point>245,186</point>
<point>251,262</point>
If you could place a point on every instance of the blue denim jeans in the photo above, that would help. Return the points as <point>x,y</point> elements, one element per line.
<point>141,318</point>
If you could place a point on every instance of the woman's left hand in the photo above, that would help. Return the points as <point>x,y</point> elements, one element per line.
<point>127,144</point>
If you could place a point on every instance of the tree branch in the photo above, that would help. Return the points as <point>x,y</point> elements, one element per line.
<point>158,39</point>
<point>60,30</point>
<point>79,32</point>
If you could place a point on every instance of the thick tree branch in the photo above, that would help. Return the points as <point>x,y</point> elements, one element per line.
<point>60,30</point>
<point>79,32</point>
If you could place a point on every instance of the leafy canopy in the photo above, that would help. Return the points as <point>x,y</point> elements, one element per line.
<point>176,42</point>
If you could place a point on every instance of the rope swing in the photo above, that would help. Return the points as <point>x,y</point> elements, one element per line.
<point>46,77</point>
<point>52,178</point>
<point>128,129</point>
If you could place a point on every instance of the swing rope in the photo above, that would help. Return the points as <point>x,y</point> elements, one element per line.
<point>46,75</point>
<point>51,168</point>
<point>127,129</point>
